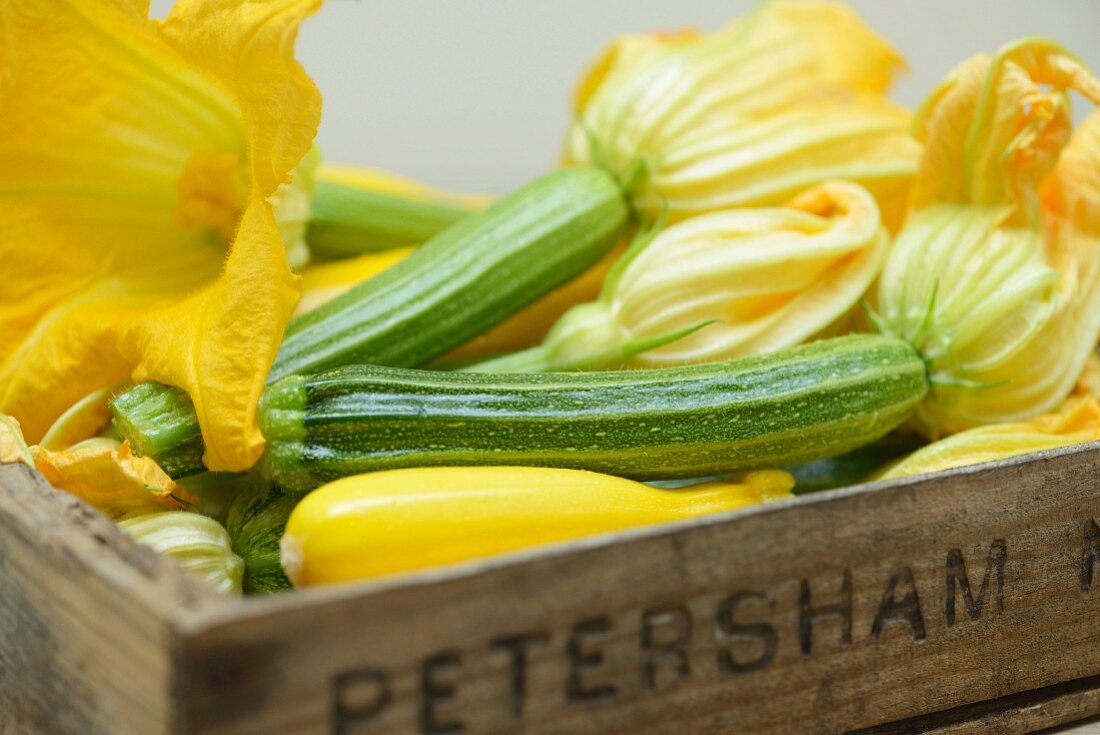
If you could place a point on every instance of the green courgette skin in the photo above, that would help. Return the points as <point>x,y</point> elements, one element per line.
<point>456,286</point>
<point>347,221</point>
<point>160,422</point>
<point>255,519</point>
<point>801,404</point>
<point>465,279</point>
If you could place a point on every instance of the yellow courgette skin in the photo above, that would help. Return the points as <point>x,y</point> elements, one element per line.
<point>386,523</point>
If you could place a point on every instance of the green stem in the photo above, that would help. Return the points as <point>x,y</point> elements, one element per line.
<point>347,220</point>
<point>532,360</point>
<point>160,421</point>
<point>456,286</point>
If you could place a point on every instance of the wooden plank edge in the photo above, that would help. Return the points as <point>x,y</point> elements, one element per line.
<point>61,525</point>
<point>276,603</point>
<point>88,618</point>
<point>441,602</point>
<point>1025,712</point>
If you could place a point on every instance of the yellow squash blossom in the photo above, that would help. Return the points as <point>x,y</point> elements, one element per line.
<point>785,98</point>
<point>754,280</point>
<point>199,544</point>
<point>996,275</point>
<point>1078,421</point>
<point>102,472</point>
<point>138,161</point>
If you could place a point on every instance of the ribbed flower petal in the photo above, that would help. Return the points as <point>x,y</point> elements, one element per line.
<point>13,448</point>
<point>996,276</point>
<point>725,285</point>
<point>768,278</point>
<point>751,115</point>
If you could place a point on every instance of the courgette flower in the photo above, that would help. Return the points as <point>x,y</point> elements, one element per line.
<point>996,276</point>
<point>1077,421</point>
<point>138,163</point>
<point>199,544</point>
<point>102,472</point>
<point>724,285</point>
<point>785,98</point>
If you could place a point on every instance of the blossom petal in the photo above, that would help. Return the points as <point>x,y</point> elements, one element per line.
<point>91,145</point>
<point>1077,421</point>
<point>993,130</point>
<point>13,448</point>
<point>219,343</point>
<point>248,47</point>
<point>996,276</point>
<point>769,278</point>
<point>133,157</point>
<point>107,476</point>
<point>783,99</point>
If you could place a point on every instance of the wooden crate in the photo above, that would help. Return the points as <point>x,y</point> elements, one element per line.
<point>967,602</point>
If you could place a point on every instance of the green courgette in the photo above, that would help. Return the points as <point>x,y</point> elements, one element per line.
<point>797,405</point>
<point>255,520</point>
<point>350,220</point>
<point>456,286</point>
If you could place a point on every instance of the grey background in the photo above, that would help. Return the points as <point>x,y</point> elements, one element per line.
<point>474,94</point>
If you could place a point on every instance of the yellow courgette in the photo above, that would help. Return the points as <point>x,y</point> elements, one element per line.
<point>403,520</point>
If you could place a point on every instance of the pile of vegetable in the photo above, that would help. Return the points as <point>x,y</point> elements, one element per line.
<point>751,273</point>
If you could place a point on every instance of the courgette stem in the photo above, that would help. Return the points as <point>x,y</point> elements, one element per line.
<point>456,286</point>
<point>159,421</point>
<point>349,220</point>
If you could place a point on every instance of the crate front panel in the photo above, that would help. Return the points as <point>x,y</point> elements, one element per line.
<point>828,613</point>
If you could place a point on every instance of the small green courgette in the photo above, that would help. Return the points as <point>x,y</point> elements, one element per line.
<point>453,288</point>
<point>797,405</point>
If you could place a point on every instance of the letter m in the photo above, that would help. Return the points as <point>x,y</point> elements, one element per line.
<point>958,580</point>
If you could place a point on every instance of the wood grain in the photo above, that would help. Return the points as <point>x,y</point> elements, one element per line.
<point>962,603</point>
<point>827,614</point>
<point>1030,711</point>
<point>87,618</point>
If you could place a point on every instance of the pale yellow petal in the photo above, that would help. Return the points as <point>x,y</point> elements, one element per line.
<point>785,277</point>
<point>292,204</point>
<point>760,279</point>
<point>996,276</point>
<point>783,99</point>
<point>993,130</point>
<point>83,420</point>
<point>1071,196</point>
<point>1077,421</point>
<point>13,448</point>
